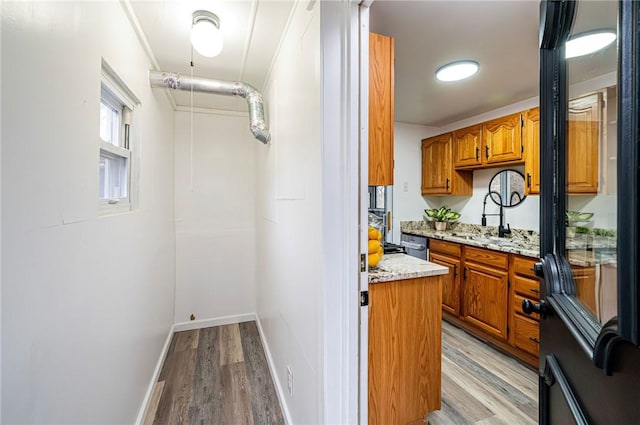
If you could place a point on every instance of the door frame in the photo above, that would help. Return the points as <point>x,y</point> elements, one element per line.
<point>342,197</point>
<point>598,342</point>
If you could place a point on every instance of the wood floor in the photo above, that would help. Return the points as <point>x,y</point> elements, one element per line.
<point>481,386</point>
<point>220,376</point>
<point>215,375</point>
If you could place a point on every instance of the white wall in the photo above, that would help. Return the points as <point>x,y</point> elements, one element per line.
<point>407,173</point>
<point>215,216</point>
<point>289,217</point>
<point>87,302</point>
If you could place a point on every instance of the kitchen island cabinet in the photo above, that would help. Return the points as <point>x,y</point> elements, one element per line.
<point>404,340</point>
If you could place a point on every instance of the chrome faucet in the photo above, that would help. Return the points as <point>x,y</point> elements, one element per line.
<point>502,231</point>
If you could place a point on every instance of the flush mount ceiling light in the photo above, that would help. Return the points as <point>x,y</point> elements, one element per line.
<point>456,71</point>
<point>588,42</point>
<point>206,36</point>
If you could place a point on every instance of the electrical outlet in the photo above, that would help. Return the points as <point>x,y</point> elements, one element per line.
<point>290,380</point>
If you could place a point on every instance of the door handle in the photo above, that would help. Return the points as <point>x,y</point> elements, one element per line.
<point>486,152</point>
<point>477,153</point>
<point>529,307</point>
<point>529,180</point>
<point>455,271</point>
<point>447,184</point>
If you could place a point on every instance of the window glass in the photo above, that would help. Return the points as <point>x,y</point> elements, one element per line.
<point>591,164</point>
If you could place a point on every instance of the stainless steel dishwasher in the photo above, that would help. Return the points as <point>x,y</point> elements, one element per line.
<point>415,245</point>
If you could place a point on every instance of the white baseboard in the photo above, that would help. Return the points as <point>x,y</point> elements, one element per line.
<point>274,375</point>
<point>154,377</point>
<point>218,321</point>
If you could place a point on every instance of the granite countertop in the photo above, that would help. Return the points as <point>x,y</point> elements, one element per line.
<point>521,242</point>
<point>401,266</point>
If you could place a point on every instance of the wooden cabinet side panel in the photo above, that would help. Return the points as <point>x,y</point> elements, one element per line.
<point>404,350</point>
<point>531,142</point>
<point>381,98</point>
<point>486,299</point>
<point>502,139</point>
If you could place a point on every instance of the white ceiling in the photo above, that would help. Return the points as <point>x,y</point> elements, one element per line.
<point>252,30</point>
<point>501,35</point>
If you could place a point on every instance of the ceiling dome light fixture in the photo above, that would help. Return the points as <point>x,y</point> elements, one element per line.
<point>588,42</point>
<point>457,71</point>
<point>206,36</point>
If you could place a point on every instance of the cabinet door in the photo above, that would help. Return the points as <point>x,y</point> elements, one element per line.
<point>502,139</point>
<point>381,53</point>
<point>583,129</point>
<point>531,141</point>
<point>485,300</point>
<point>466,146</point>
<point>436,165</point>
<point>450,283</point>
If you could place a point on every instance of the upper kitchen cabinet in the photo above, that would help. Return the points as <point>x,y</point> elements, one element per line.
<point>531,142</point>
<point>502,140</point>
<point>467,144</point>
<point>583,127</point>
<point>438,174</point>
<point>381,93</point>
<point>493,143</point>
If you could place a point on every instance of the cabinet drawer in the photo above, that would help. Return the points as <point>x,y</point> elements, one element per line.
<point>443,247</point>
<point>517,307</point>
<point>527,334</point>
<point>486,257</point>
<point>524,266</point>
<point>529,288</point>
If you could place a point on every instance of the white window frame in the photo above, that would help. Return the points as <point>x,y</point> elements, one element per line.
<point>115,93</point>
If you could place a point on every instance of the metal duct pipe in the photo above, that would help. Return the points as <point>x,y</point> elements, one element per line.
<point>175,81</point>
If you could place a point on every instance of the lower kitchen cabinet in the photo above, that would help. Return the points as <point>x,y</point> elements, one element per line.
<point>483,293</point>
<point>526,329</point>
<point>450,281</point>
<point>404,350</point>
<point>486,292</point>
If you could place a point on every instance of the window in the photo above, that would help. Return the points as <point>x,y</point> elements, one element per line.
<point>116,179</point>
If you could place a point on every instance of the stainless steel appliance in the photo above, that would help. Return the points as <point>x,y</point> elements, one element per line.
<point>415,245</point>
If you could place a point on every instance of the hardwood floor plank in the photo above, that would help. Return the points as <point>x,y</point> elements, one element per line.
<point>230,345</point>
<point>236,405</point>
<point>206,394</point>
<point>503,366</point>
<point>458,406</point>
<point>174,403</point>
<point>187,340</point>
<point>264,400</point>
<point>498,386</point>
<point>152,408</point>
<point>484,393</point>
<point>493,420</point>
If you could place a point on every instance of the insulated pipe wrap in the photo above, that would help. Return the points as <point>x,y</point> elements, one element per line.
<point>257,122</point>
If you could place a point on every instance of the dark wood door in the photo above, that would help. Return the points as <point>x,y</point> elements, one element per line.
<point>589,323</point>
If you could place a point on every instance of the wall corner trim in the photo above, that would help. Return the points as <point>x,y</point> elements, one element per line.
<point>274,375</point>
<point>154,377</point>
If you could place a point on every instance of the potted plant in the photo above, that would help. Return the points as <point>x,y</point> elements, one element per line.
<point>440,216</point>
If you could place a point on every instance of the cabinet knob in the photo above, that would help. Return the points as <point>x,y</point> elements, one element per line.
<point>529,307</point>
<point>477,153</point>
<point>486,152</point>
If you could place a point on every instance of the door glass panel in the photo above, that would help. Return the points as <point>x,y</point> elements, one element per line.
<point>591,161</point>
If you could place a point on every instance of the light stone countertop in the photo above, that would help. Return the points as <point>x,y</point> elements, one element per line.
<point>401,266</point>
